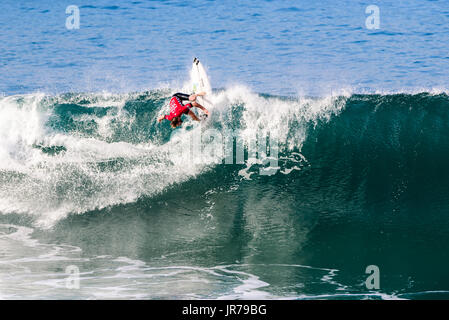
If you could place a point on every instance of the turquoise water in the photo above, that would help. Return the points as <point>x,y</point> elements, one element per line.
<point>89,180</point>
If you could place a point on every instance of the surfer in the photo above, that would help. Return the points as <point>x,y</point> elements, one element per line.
<point>177,108</point>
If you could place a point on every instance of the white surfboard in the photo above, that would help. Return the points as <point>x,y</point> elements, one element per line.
<point>200,82</point>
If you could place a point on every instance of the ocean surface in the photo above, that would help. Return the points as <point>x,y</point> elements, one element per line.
<point>91,184</point>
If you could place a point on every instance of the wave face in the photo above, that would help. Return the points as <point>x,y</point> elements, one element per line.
<point>359,178</point>
<point>75,153</point>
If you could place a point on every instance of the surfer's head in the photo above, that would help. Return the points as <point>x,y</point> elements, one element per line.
<point>176,122</point>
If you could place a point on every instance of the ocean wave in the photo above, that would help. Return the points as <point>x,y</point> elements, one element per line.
<point>78,152</point>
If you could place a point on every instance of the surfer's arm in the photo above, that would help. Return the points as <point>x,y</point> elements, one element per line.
<point>160,118</point>
<point>193,116</point>
<point>197,105</point>
<point>194,96</point>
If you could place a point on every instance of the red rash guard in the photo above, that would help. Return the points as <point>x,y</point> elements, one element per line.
<point>177,109</point>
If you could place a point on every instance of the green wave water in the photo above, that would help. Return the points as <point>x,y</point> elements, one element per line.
<point>92,180</point>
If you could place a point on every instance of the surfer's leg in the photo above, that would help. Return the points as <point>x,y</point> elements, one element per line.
<point>193,116</point>
<point>191,97</point>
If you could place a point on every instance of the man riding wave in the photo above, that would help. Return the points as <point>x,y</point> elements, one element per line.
<point>177,108</point>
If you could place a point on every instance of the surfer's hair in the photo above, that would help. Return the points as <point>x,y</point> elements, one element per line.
<point>176,121</point>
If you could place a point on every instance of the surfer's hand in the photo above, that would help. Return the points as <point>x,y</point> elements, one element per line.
<point>160,118</point>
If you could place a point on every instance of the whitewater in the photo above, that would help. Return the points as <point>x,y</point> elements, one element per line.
<point>76,153</point>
